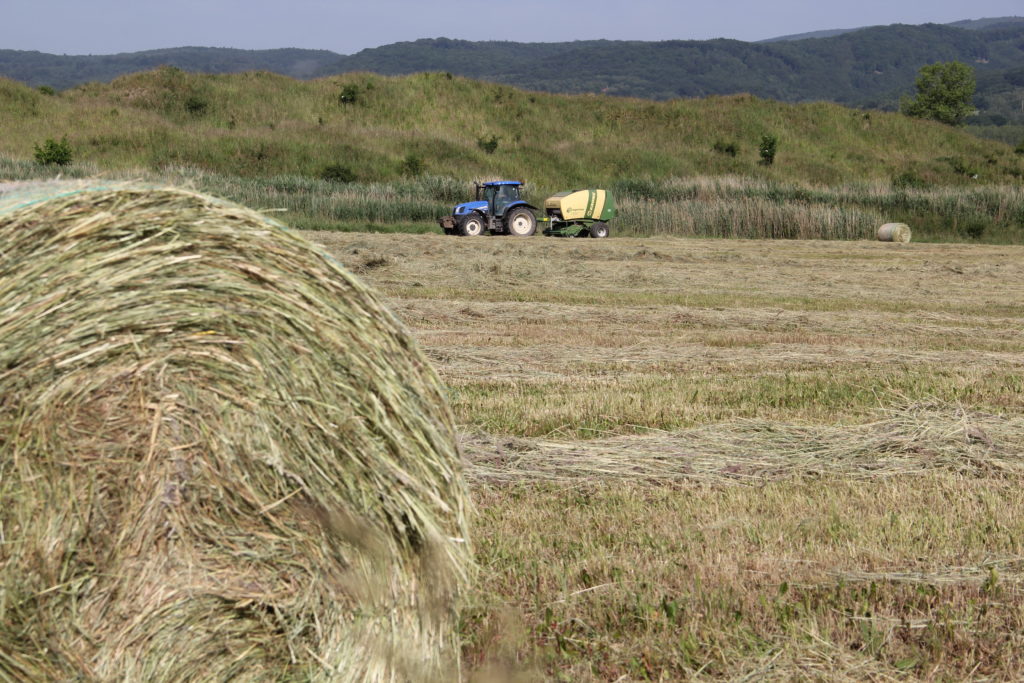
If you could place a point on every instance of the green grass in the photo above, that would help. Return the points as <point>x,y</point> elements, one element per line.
<point>728,207</point>
<point>265,140</point>
<point>641,582</point>
<point>259,124</point>
<point>610,400</point>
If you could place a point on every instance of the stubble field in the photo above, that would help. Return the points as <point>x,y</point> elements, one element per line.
<point>710,459</point>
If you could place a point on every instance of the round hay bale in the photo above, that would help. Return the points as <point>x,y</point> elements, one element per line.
<point>220,456</point>
<point>894,232</point>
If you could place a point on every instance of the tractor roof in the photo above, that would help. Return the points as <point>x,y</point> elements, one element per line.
<point>503,182</point>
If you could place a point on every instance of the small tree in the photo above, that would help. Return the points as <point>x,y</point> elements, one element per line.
<point>53,152</point>
<point>769,145</point>
<point>944,93</point>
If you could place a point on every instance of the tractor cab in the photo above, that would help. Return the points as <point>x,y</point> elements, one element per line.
<point>499,195</point>
<point>492,199</point>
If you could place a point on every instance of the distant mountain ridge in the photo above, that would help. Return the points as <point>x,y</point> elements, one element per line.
<point>830,33</point>
<point>67,71</point>
<point>868,67</point>
<point>970,24</point>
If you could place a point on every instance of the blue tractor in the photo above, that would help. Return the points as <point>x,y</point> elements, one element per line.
<point>498,209</point>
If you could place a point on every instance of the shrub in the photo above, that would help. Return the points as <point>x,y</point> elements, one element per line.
<point>769,145</point>
<point>47,90</point>
<point>960,167</point>
<point>908,180</point>
<point>349,94</point>
<point>53,152</point>
<point>412,165</point>
<point>196,105</point>
<point>488,146</point>
<point>1019,149</point>
<point>337,173</point>
<point>730,148</point>
<point>974,229</point>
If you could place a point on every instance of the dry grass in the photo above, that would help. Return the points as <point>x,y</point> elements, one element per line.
<point>739,460</point>
<point>583,338</point>
<point>808,578</point>
<point>220,456</point>
<point>913,440</point>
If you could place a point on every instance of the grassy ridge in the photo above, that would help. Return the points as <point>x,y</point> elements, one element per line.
<point>257,124</point>
<point>413,146</point>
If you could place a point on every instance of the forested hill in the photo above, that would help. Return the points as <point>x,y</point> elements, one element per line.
<point>966,23</point>
<point>66,71</point>
<point>865,67</point>
<point>871,66</point>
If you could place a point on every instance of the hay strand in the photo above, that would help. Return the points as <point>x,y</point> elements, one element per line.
<point>220,456</point>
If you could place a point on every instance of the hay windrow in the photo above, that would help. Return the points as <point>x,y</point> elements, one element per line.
<point>906,440</point>
<point>220,455</point>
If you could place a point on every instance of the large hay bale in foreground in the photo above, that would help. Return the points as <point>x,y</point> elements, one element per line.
<point>894,232</point>
<point>220,456</point>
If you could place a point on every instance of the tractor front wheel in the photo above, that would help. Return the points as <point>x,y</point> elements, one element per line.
<point>599,229</point>
<point>471,225</point>
<point>521,222</point>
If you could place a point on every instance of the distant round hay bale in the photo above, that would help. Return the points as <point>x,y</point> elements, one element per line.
<point>220,456</point>
<point>894,232</point>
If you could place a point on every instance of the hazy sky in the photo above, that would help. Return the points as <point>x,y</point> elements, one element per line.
<point>110,26</point>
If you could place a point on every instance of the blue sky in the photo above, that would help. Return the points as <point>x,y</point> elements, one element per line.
<point>110,26</point>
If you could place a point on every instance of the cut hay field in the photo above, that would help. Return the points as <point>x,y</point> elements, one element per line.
<point>743,460</point>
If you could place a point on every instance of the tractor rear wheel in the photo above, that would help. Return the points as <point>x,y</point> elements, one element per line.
<point>521,222</point>
<point>599,229</point>
<point>471,225</point>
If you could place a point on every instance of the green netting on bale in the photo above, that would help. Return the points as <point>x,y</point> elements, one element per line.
<point>220,456</point>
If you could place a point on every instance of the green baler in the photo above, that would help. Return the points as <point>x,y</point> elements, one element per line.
<point>578,213</point>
